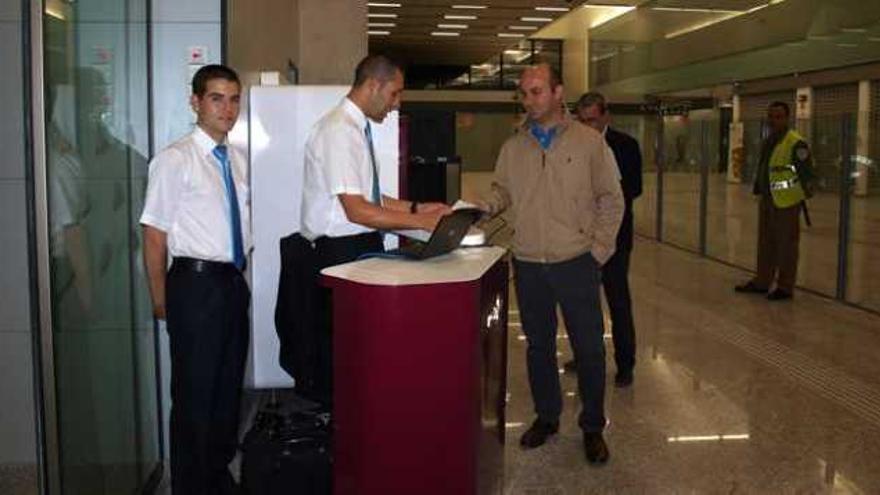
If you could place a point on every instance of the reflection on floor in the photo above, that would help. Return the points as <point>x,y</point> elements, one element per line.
<point>733,394</point>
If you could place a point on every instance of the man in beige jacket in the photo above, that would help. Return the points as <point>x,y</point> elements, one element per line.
<point>560,187</point>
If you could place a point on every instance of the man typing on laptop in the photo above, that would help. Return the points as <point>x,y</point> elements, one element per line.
<point>343,208</point>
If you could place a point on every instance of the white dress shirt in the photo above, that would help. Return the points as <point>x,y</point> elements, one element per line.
<point>337,161</point>
<point>186,199</point>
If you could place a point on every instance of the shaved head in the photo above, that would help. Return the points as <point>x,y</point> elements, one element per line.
<point>543,71</point>
<point>541,93</point>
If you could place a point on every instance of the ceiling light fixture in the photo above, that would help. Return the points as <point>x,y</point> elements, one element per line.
<point>701,25</point>
<point>536,19</point>
<point>452,17</point>
<point>445,33</point>
<point>511,35</point>
<point>697,10</point>
<point>552,9</point>
<point>470,7</point>
<point>378,33</point>
<point>452,26</point>
<point>381,24</point>
<point>523,28</point>
<point>382,16</point>
<point>380,4</point>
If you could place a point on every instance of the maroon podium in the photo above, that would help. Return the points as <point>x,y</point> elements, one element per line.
<point>420,372</point>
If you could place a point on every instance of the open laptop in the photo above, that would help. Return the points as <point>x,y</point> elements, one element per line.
<point>445,238</point>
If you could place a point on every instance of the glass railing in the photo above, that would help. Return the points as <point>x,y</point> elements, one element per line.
<point>709,208</point>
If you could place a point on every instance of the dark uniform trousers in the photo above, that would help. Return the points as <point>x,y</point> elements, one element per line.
<point>334,251</point>
<point>615,283</point>
<point>207,311</point>
<point>778,237</point>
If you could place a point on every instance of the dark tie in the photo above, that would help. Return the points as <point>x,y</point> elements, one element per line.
<point>222,155</point>
<point>376,194</point>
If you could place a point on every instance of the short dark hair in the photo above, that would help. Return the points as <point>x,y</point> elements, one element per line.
<point>592,98</point>
<point>209,72</point>
<point>378,67</point>
<point>780,104</point>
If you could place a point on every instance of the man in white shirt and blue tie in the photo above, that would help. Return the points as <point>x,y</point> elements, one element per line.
<point>197,212</point>
<point>343,208</point>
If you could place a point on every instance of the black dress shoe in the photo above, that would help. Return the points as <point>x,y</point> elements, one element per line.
<point>750,287</point>
<point>595,448</point>
<point>537,434</point>
<point>623,379</point>
<point>570,367</point>
<point>779,295</point>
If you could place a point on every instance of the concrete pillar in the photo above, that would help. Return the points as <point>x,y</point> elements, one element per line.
<point>804,112</point>
<point>737,108</point>
<point>736,150</point>
<point>332,40</point>
<point>863,139</point>
<point>324,38</point>
<point>262,36</point>
<point>576,65</point>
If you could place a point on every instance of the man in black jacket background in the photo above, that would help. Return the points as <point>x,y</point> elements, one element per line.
<point>592,110</point>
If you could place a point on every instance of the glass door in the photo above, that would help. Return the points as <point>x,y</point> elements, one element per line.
<point>96,115</point>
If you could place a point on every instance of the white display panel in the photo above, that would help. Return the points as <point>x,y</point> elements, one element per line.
<point>279,122</point>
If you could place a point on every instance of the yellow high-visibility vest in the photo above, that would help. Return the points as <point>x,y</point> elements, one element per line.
<point>785,186</point>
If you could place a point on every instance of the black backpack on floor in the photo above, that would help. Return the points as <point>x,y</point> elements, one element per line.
<point>287,452</point>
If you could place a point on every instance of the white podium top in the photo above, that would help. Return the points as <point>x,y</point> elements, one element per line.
<point>461,265</point>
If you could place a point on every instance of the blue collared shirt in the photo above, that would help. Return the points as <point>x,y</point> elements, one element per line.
<point>545,137</point>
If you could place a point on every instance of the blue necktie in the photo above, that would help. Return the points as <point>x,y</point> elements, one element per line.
<point>376,194</point>
<point>222,156</point>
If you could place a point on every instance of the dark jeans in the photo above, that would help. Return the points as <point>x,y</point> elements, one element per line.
<point>334,251</point>
<point>615,282</point>
<point>208,329</point>
<point>573,285</point>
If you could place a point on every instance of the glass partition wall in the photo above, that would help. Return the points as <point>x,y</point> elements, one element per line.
<point>706,209</point>
<point>96,132</point>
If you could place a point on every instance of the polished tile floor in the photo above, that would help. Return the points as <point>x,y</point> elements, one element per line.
<point>733,394</point>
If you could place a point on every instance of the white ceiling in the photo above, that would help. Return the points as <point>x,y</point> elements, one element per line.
<point>410,38</point>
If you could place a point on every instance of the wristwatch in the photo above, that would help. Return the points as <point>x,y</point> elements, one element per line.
<point>413,206</point>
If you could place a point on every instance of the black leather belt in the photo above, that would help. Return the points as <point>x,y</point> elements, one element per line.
<point>203,266</point>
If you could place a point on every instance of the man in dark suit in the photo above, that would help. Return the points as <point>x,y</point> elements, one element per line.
<point>592,111</point>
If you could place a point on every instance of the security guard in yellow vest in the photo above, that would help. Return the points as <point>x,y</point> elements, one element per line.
<point>783,181</point>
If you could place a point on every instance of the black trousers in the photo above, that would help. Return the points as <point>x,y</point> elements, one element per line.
<point>334,251</point>
<point>615,282</point>
<point>207,315</point>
